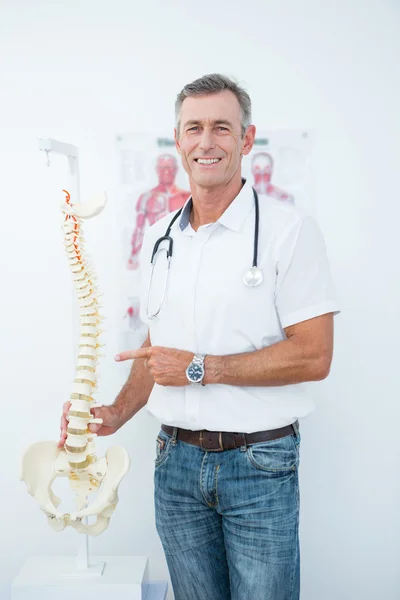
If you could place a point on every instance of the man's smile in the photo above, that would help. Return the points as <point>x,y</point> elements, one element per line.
<point>207,162</point>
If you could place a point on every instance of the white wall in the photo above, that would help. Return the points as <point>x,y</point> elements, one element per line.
<point>81,71</point>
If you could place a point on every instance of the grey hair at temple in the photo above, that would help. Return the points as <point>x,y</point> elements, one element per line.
<point>213,84</point>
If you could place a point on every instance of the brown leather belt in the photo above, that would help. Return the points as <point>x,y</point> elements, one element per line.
<point>216,441</point>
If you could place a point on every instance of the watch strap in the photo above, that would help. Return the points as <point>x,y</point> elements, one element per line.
<point>199,359</point>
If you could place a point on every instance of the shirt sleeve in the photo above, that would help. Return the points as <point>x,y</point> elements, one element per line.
<point>304,286</point>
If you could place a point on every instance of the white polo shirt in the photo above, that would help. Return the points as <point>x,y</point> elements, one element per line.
<point>208,309</point>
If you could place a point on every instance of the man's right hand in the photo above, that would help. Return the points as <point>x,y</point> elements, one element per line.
<point>109,414</point>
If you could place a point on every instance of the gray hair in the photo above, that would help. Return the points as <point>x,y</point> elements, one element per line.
<point>212,84</point>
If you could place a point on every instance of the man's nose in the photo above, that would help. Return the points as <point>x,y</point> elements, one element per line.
<point>206,141</point>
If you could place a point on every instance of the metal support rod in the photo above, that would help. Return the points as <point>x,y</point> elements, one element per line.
<point>71,152</point>
<point>82,558</point>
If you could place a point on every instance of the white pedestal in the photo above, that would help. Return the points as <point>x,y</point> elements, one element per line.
<point>57,577</point>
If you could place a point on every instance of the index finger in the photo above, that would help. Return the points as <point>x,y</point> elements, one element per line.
<point>129,354</point>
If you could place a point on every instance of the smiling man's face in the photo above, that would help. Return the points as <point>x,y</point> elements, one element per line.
<point>210,140</point>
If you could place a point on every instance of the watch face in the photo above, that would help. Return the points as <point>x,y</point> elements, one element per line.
<point>195,372</point>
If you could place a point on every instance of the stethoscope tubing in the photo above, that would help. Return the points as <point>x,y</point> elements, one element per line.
<point>167,237</point>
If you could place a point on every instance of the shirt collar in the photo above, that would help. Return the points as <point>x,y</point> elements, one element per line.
<point>185,214</point>
<point>233,216</point>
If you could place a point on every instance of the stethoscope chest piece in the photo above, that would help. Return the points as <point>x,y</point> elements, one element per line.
<point>253,277</point>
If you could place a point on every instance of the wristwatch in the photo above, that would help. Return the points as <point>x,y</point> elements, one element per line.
<point>195,371</point>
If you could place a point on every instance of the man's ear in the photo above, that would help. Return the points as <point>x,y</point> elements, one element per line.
<point>177,144</point>
<point>248,140</point>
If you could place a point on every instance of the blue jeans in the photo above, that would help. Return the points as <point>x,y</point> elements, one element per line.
<point>228,521</point>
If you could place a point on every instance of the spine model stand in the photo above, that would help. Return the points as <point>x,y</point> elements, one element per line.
<point>44,461</point>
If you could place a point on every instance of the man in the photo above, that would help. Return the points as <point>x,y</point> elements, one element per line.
<point>156,203</point>
<point>226,471</point>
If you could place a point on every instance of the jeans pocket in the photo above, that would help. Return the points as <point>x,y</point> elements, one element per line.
<point>276,457</point>
<point>297,440</point>
<point>162,448</point>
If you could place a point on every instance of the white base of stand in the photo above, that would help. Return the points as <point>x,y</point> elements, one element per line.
<point>57,577</point>
<point>94,570</point>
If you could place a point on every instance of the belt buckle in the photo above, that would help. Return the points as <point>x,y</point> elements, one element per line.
<point>201,439</point>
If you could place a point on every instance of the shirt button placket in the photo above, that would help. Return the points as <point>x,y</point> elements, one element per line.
<point>191,303</point>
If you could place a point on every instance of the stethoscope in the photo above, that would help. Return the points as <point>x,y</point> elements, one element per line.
<point>251,278</point>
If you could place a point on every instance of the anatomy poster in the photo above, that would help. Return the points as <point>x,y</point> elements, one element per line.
<point>279,166</point>
<point>152,183</point>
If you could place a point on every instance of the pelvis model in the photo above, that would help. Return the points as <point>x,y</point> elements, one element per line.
<point>44,461</point>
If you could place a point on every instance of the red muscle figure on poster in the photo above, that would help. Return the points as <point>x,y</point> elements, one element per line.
<point>156,203</point>
<point>262,165</point>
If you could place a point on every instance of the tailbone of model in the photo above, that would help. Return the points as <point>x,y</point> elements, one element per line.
<point>44,461</point>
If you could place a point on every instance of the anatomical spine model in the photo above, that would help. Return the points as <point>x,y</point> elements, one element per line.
<point>44,461</point>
